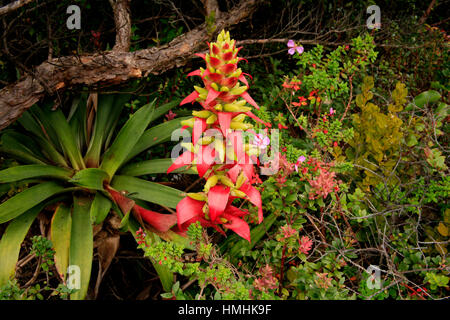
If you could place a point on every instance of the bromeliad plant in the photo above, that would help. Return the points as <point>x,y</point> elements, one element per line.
<point>218,151</point>
<point>72,162</point>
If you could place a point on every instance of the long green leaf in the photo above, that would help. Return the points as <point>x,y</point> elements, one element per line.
<point>33,171</point>
<point>81,245</point>
<point>148,191</point>
<point>155,135</point>
<point>60,235</point>
<point>126,139</point>
<point>151,166</point>
<point>11,242</point>
<point>67,139</point>
<point>27,199</point>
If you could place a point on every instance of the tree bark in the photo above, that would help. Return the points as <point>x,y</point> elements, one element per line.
<point>122,21</point>
<point>110,67</point>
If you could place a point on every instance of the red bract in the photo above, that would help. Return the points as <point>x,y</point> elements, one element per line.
<point>224,162</point>
<point>161,222</point>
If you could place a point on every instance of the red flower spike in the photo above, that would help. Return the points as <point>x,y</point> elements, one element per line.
<point>217,200</point>
<point>221,210</point>
<point>238,225</point>
<point>183,160</point>
<point>190,98</point>
<point>249,99</point>
<point>159,221</point>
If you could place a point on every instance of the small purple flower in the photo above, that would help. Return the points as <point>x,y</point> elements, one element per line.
<point>171,115</point>
<point>332,111</point>
<point>293,47</point>
<point>261,141</point>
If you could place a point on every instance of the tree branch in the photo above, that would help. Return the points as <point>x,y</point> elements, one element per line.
<point>10,7</point>
<point>122,21</point>
<point>110,67</point>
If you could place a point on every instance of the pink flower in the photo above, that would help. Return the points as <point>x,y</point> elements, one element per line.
<point>323,184</point>
<point>288,231</point>
<point>332,111</point>
<point>305,244</point>
<point>171,115</point>
<point>267,280</point>
<point>299,160</point>
<point>261,141</point>
<point>293,47</point>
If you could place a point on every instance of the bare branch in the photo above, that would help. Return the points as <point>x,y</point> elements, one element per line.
<point>13,6</point>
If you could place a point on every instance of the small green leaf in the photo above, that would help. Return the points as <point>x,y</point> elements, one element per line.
<point>426,97</point>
